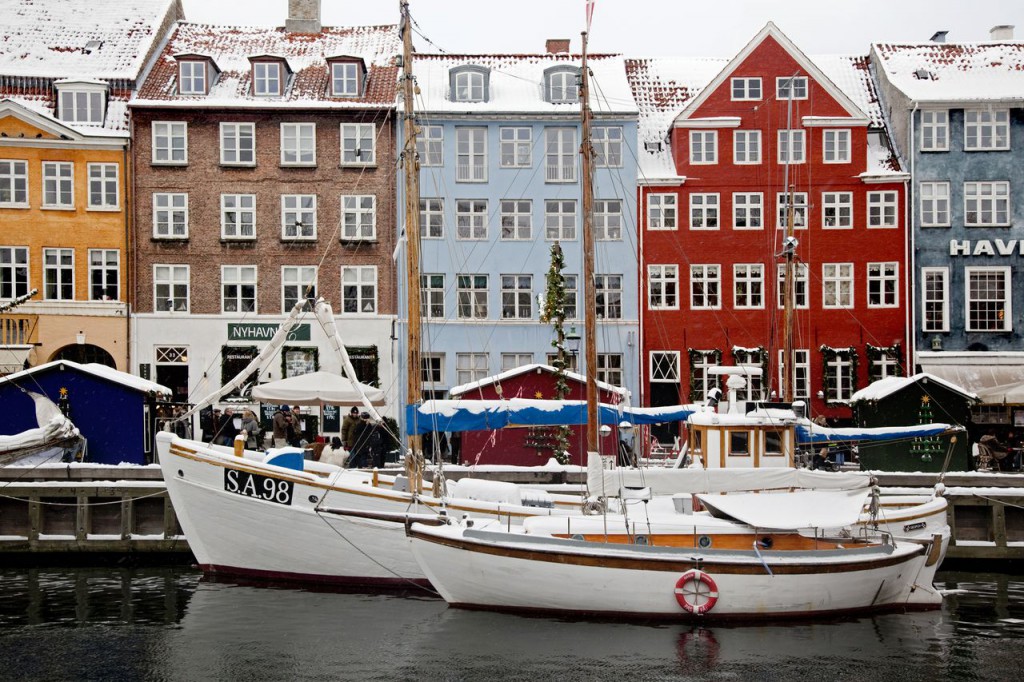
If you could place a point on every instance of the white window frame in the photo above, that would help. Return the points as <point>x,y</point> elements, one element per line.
<point>662,211</point>
<point>516,146</point>
<point>516,219</point>
<point>929,299</point>
<point>266,74</point>
<point>471,219</point>
<point>102,272</point>
<point>562,87</point>
<point>742,89</point>
<point>431,218</point>
<point>608,290</point>
<point>840,205</point>
<point>748,208</point>
<point>607,142</point>
<point>703,147</point>
<point>470,154</point>
<point>237,142</point>
<point>560,222</point>
<point>782,86</point>
<point>170,143</point>
<point>432,287</point>
<point>472,291</point>
<point>432,370</point>
<point>345,79</point>
<point>358,217</point>
<point>104,181</point>
<point>243,207</point>
<point>746,147</point>
<point>801,278</point>
<point>359,289</point>
<point>835,145</point>
<point>14,183</point>
<point>358,144</point>
<point>514,360</point>
<point>705,211</point>
<point>170,209</point>
<point>13,259</point>
<point>570,283</point>
<point>430,146</point>
<point>471,367</point>
<point>59,274</point>
<point>843,370</point>
<point>838,276</point>
<point>935,204</point>
<point>234,279</point>
<point>192,77</point>
<point>293,213</point>
<point>516,295</point>
<point>1007,311</point>
<point>663,366</point>
<point>608,220</point>
<point>991,123</point>
<point>58,185</point>
<point>298,143</point>
<point>883,282</point>
<point>799,210</point>
<point>73,101</point>
<point>662,286</point>
<point>169,277</point>
<point>469,85</point>
<point>798,138</point>
<point>296,278</point>
<point>611,369</point>
<point>748,286</point>
<point>560,152</point>
<point>883,209</point>
<point>987,198</point>
<point>934,130</point>
<point>802,365</point>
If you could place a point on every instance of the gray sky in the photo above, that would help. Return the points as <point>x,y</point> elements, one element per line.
<point>713,28</point>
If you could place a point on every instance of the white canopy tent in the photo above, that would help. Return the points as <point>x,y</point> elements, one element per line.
<point>317,388</point>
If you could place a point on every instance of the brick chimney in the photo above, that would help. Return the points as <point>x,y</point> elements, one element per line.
<point>1004,32</point>
<point>557,45</point>
<point>303,16</point>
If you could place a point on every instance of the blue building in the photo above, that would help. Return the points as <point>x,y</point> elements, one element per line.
<point>957,114</point>
<point>114,411</point>
<point>499,153</point>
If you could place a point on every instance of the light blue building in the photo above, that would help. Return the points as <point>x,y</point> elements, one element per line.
<point>957,113</point>
<point>499,142</point>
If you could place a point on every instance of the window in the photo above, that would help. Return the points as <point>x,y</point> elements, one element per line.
<point>562,86</point>
<point>703,211</point>
<point>471,219</point>
<point>514,360</point>
<point>170,143</point>
<point>469,85</point>
<point>104,274</point>
<point>934,204</point>
<point>470,367</point>
<point>191,78</point>
<point>609,368</point>
<point>357,144</point>
<point>746,88</point>
<point>516,146</point>
<point>359,289</point>
<point>703,146</point>
<point>560,220</point>
<point>746,146</point>
<point>800,279</point>
<point>706,285</point>
<point>837,285</point>
<point>104,193</point>
<point>607,141</point>
<point>560,154</point>
<point>345,79</point>
<point>171,288</point>
<point>170,216</point>
<point>748,285</point>
<point>238,288</point>
<point>799,210</point>
<point>791,146</point>
<point>517,297</point>
<point>988,299</point>
<point>935,299</point>
<point>701,379</point>
<point>432,296</point>
<point>298,282</point>
<point>266,79</point>
<point>665,367</point>
<point>751,357</point>
<point>836,146</point>
<point>883,285</point>
<point>59,274</point>
<point>885,362</point>
<point>430,146</point>
<point>986,203</point>
<point>608,289</point>
<point>298,144</point>
<point>472,297</point>
<point>739,443</point>
<point>882,209</point>
<point>471,154</point>
<point>58,184</point>
<point>238,144</point>
<point>934,131</point>
<point>791,87</point>
<point>298,216</point>
<point>13,183</point>
<point>986,129</point>
<point>432,368</point>
<point>840,377</point>
<point>516,219</point>
<point>802,372</point>
<point>607,220</point>
<point>748,211</point>
<point>662,287</point>
<point>298,361</point>
<point>13,272</point>
<point>82,106</point>
<point>661,212</point>
<point>569,307</point>
<point>837,210</point>
<point>237,216</point>
<point>432,218</point>
<point>358,217</point>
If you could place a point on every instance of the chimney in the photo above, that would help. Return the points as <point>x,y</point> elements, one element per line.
<point>303,16</point>
<point>939,36</point>
<point>557,45</point>
<point>1004,32</point>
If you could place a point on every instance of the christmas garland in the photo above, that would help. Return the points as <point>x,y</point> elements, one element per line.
<point>695,356</point>
<point>828,354</point>
<point>876,353</point>
<point>14,303</point>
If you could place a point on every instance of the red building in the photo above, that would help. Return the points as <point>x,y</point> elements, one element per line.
<point>712,225</point>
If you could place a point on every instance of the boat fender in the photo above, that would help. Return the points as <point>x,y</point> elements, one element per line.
<point>696,592</point>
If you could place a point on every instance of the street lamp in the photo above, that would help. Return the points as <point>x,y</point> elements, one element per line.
<point>572,344</point>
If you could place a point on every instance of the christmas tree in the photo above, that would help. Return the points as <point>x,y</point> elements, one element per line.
<point>927,446</point>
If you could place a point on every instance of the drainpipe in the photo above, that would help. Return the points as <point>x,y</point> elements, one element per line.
<point>127,291</point>
<point>911,352</point>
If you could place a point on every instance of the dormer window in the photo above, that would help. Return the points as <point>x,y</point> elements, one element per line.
<point>268,76</point>
<point>79,102</point>
<point>470,84</point>
<point>192,77</point>
<point>561,85</point>
<point>346,78</point>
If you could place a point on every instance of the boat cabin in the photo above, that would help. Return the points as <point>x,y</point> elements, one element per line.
<point>761,439</point>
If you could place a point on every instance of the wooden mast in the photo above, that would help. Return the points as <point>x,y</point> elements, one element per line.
<point>589,293</point>
<point>410,161</point>
<point>789,251</point>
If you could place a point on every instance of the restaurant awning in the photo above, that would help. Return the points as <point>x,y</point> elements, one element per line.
<point>993,383</point>
<point>12,358</point>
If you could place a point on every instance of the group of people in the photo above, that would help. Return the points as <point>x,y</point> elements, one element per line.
<point>220,428</point>
<point>287,427</point>
<point>999,454</point>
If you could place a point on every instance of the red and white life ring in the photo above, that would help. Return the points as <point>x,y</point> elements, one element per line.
<point>696,592</point>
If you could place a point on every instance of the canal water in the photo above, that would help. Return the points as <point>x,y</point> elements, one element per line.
<point>172,624</point>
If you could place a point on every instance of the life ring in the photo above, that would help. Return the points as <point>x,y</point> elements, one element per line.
<point>696,592</point>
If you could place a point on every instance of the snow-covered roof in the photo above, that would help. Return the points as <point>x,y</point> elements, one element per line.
<point>516,83</point>
<point>954,72</point>
<point>115,124</point>
<point>107,39</point>
<point>527,369</point>
<point>231,47</point>
<point>95,369</point>
<point>890,385</point>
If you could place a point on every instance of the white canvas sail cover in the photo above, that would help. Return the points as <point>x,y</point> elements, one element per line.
<point>53,426</point>
<point>790,511</point>
<point>317,388</point>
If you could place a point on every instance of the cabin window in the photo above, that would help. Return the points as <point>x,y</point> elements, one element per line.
<point>739,443</point>
<point>696,443</point>
<point>774,443</point>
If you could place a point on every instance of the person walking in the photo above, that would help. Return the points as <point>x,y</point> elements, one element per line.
<point>359,452</point>
<point>252,430</point>
<point>295,431</point>
<point>227,430</point>
<point>280,426</point>
<point>348,425</point>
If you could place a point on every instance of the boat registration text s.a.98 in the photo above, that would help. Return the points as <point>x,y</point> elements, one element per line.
<point>260,487</point>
